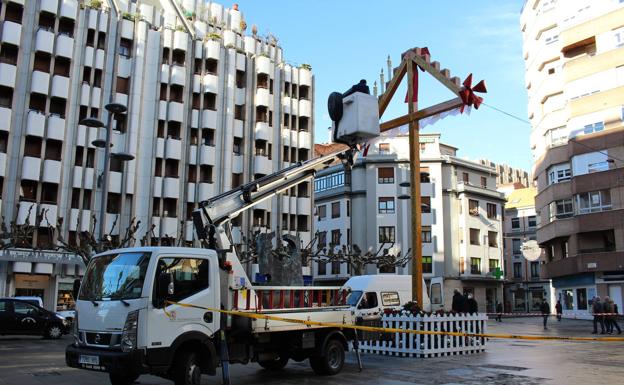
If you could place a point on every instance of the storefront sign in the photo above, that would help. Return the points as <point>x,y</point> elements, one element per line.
<point>29,255</point>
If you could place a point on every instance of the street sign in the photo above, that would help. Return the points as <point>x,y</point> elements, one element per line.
<point>531,250</point>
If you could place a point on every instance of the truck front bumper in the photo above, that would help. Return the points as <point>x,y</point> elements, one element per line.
<point>110,361</point>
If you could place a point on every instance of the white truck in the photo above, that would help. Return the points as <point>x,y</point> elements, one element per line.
<point>155,310</point>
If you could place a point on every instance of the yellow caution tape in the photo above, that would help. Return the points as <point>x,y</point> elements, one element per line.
<point>393,330</point>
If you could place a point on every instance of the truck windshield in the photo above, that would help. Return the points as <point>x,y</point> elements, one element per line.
<point>354,297</point>
<point>114,277</point>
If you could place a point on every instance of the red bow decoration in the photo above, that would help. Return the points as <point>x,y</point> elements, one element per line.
<point>467,94</point>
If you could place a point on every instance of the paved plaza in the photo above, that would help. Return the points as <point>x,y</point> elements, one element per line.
<point>32,360</point>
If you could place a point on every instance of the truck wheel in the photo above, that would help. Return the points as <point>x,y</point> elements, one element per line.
<point>53,332</point>
<point>276,364</point>
<point>186,370</point>
<point>122,379</point>
<point>332,360</point>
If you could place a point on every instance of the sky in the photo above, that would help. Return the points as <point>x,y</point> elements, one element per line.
<point>345,41</point>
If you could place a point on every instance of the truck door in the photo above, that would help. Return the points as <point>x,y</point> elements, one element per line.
<point>369,306</point>
<point>7,317</point>
<point>436,293</point>
<point>191,280</point>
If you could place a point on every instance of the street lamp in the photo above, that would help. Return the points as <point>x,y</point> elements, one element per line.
<point>113,109</point>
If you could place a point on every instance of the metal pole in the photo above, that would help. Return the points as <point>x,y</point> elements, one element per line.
<point>417,279</point>
<point>105,173</point>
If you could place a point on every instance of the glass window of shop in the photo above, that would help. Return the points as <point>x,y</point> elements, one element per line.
<point>537,297</point>
<point>581,298</point>
<point>568,299</point>
<point>65,300</point>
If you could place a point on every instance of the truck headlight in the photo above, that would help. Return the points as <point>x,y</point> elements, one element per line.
<point>129,334</point>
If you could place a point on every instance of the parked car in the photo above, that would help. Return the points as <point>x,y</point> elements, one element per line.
<point>33,300</point>
<point>19,317</point>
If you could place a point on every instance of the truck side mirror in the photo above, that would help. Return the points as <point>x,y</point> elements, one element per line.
<point>76,289</point>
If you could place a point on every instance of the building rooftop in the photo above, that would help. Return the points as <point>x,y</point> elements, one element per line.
<point>524,197</point>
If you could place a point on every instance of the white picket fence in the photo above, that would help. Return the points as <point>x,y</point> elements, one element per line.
<point>426,345</point>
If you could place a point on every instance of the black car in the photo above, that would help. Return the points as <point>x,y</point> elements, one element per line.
<point>20,317</point>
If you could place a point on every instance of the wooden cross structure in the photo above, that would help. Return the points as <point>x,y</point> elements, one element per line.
<point>410,61</point>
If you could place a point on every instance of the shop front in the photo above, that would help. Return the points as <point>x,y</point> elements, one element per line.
<point>576,293</point>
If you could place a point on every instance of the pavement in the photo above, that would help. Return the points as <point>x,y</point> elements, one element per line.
<point>35,361</point>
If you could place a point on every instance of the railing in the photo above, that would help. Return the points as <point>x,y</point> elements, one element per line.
<point>427,345</point>
<point>289,297</point>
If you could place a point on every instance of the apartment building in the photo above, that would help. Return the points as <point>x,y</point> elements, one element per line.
<point>209,107</point>
<point>461,220</point>
<point>525,289</point>
<point>507,175</point>
<point>574,56</point>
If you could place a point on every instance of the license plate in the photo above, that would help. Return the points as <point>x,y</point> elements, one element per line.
<point>89,360</point>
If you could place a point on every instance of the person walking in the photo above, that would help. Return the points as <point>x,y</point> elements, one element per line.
<point>499,312</point>
<point>598,317</point>
<point>559,310</point>
<point>545,309</point>
<point>471,305</point>
<point>614,323</point>
<point>458,302</point>
<point>607,309</point>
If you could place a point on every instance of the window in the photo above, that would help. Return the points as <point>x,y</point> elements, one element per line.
<point>322,212</point>
<point>384,148</point>
<point>335,237</point>
<point>492,212</point>
<point>239,112</point>
<point>322,267</point>
<point>594,201</point>
<point>25,308</point>
<point>322,239</point>
<point>474,237</point>
<point>473,207</point>
<point>190,275</point>
<point>335,267</point>
<point>550,36</point>
<point>465,178</point>
<point>594,127</point>
<point>475,265</point>
<point>386,205</point>
<point>534,269</point>
<point>386,234</point>
<point>618,35</point>
<point>517,270</point>
<point>125,48</point>
<point>561,209</point>
<point>483,182</point>
<point>390,299</point>
<point>581,298</point>
<point>427,264</point>
<point>532,221</point>
<point>515,223</point>
<point>516,246</point>
<point>492,239</point>
<point>425,204</point>
<point>590,162</point>
<point>556,136</point>
<point>335,209</point>
<point>426,234</point>
<point>568,299</point>
<point>348,208</point>
<point>559,173</point>
<point>385,175</point>
<point>493,265</point>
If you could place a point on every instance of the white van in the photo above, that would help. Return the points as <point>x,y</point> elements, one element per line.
<point>370,295</point>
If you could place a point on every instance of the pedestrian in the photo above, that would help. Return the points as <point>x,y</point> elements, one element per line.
<point>607,309</point>
<point>545,309</point>
<point>598,318</point>
<point>499,312</point>
<point>471,305</point>
<point>614,319</point>
<point>559,310</point>
<point>458,302</point>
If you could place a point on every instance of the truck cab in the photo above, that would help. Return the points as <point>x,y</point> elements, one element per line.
<point>124,292</point>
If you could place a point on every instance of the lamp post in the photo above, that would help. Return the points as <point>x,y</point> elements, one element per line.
<point>113,109</point>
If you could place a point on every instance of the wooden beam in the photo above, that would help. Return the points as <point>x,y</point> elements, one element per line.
<point>393,84</point>
<point>421,114</point>
<point>437,74</point>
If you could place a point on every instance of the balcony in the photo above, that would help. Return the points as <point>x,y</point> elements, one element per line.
<point>7,75</point>
<point>168,227</point>
<point>195,118</point>
<point>40,82</point>
<point>64,46</point>
<point>263,131</point>
<point>157,187</point>
<point>211,83</point>
<point>27,210</point>
<point>180,40</point>
<point>190,192</point>
<point>213,49</point>
<point>262,97</point>
<point>127,29</point>
<point>56,127</point>
<point>173,149</point>
<point>49,6</point>
<point>229,38</point>
<point>69,9</point>
<point>51,171</point>
<point>79,220</point>
<point>114,182</point>
<point>250,45</point>
<point>238,128</point>
<point>237,164</point>
<point>209,119</point>
<point>305,108</point>
<point>162,110</point>
<point>171,187</point>
<point>99,58</point>
<point>206,190</point>
<point>3,157</point>
<point>304,206</point>
<point>77,178</point>
<point>5,118</point>
<point>109,220</point>
<point>263,65</point>
<point>584,263</point>
<point>286,101</point>
<point>51,213</point>
<point>124,67</point>
<point>176,111</point>
<point>305,139</point>
<point>305,77</point>
<point>262,165</point>
<point>44,41</point>
<point>207,155</point>
<point>35,123</point>
<point>11,33</point>
<point>60,86</point>
<point>164,73</point>
<point>178,75</point>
